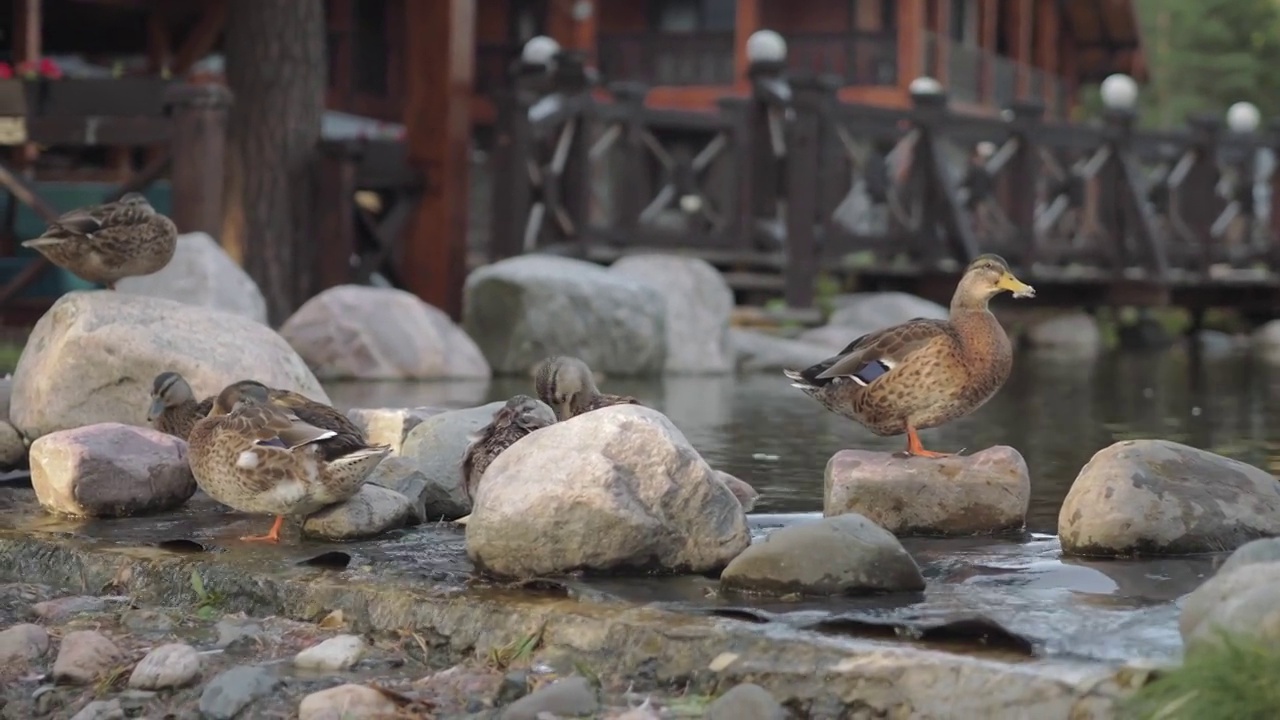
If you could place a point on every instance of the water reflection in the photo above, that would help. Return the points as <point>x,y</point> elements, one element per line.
<point>1057,411</point>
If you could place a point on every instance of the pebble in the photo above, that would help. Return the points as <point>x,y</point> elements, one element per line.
<point>336,653</point>
<point>23,642</point>
<point>168,666</point>
<point>147,622</point>
<point>745,702</point>
<point>101,710</point>
<point>232,630</point>
<point>64,607</point>
<point>346,702</point>
<point>84,656</point>
<point>233,690</point>
<point>570,696</point>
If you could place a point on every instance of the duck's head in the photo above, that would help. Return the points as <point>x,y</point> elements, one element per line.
<point>988,276</point>
<point>136,200</point>
<point>561,380</point>
<point>525,412</point>
<point>169,390</point>
<point>245,391</point>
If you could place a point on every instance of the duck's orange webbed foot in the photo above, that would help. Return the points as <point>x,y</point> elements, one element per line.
<point>915,448</point>
<point>272,536</point>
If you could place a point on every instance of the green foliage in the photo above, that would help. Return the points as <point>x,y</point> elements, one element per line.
<point>1231,680</point>
<point>206,602</point>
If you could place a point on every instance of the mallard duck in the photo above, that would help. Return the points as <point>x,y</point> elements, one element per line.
<point>567,385</point>
<point>107,243</point>
<point>519,417</point>
<point>174,409</point>
<point>257,456</point>
<point>348,436</point>
<point>923,373</point>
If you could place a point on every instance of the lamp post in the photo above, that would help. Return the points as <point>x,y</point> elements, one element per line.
<point>1120,96</point>
<point>539,52</point>
<point>766,53</point>
<point>1243,117</point>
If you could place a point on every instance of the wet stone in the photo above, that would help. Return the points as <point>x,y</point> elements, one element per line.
<point>151,623</point>
<point>743,492</point>
<point>843,555</point>
<point>22,643</point>
<point>346,702</point>
<point>336,653</point>
<point>13,451</point>
<point>745,702</point>
<point>371,512</point>
<point>101,710</point>
<point>233,631</point>
<point>168,666</point>
<point>64,607</point>
<point>572,696</point>
<point>235,689</point>
<point>400,474</point>
<point>1262,550</point>
<point>85,656</point>
<point>390,426</point>
<point>466,688</point>
<point>436,447</point>
<point>1242,601</point>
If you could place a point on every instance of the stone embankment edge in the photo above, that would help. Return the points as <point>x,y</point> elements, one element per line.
<point>804,670</point>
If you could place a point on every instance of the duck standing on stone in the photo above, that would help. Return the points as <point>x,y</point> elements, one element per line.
<point>107,243</point>
<point>519,417</point>
<point>257,456</point>
<point>923,373</point>
<point>567,385</point>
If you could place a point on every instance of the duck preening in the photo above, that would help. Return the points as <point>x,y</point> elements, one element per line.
<point>569,387</point>
<point>519,417</point>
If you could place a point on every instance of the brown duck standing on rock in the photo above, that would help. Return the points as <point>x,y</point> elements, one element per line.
<point>107,243</point>
<point>519,417</point>
<point>568,386</point>
<point>923,373</point>
<point>256,455</point>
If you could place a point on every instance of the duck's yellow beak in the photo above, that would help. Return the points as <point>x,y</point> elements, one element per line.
<point>1019,289</point>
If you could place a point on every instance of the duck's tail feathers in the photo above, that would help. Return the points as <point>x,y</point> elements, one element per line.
<point>799,380</point>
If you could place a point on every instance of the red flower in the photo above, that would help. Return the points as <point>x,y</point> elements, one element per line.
<point>49,68</point>
<point>6,71</point>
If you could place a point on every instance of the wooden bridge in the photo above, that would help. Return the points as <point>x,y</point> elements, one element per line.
<point>791,185</point>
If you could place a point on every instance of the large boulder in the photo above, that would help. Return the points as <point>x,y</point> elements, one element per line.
<point>110,470</point>
<point>1156,497</point>
<point>390,426</point>
<point>360,332</point>
<point>93,357</point>
<point>874,310</point>
<point>698,303</point>
<point>1076,334</point>
<point>522,309</point>
<point>986,492</point>
<point>615,489</point>
<point>761,352</point>
<point>202,273</point>
<point>1243,601</point>
<point>842,555</point>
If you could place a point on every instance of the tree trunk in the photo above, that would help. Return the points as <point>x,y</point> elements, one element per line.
<point>275,52</point>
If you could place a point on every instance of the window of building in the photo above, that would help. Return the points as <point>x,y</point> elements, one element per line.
<point>690,16</point>
<point>964,22</point>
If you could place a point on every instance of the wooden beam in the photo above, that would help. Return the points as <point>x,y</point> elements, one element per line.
<point>988,36</point>
<point>27,23</point>
<point>1048,40</point>
<point>572,27</point>
<point>440,65</point>
<point>942,37</point>
<point>202,38</point>
<point>911,24</point>
<point>1021,19</point>
<point>745,22</point>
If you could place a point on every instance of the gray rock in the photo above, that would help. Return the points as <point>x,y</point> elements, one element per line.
<point>336,653</point>
<point>623,476</point>
<point>698,305</point>
<point>745,702</point>
<point>875,310</point>
<point>1156,497</point>
<point>843,555</point>
<point>13,450</point>
<point>369,513</point>
<point>233,630</point>
<point>361,332</point>
<point>110,470</point>
<point>201,273</point>
<point>982,493</point>
<point>173,665</point>
<point>435,447</point>
<point>1073,333</point>
<point>833,338</point>
<point>760,352</point>
<point>147,623</point>
<point>235,689</point>
<point>569,697</point>
<point>1266,342</point>
<point>403,476</point>
<point>745,494</point>
<point>390,426</point>
<point>101,710</point>
<point>62,608</point>
<point>93,356</point>
<point>1244,601</point>
<point>518,312</point>
<point>1262,550</point>
<point>85,656</point>
<point>22,643</point>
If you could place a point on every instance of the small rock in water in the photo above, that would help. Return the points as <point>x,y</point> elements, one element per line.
<point>846,554</point>
<point>168,666</point>
<point>569,697</point>
<point>13,451</point>
<point>85,656</point>
<point>986,492</point>
<point>371,512</point>
<point>745,494</point>
<point>64,607</point>
<point>147,622</point>
<point>22,643</point>
<point>1262,550</point>
<point>101,710</point>
<point>1156,497</point>
<point>234,630</point>
<point>110,470</point>
<point>336,653</point>
<point>745,702</point>
<point>346,702</point>
<point>390,426</point>
<point>400,474</point>
<point>1243,602</point>
<point>235,689</point>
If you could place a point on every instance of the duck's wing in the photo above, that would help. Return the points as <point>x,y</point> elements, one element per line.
<point>268,424</point>
<point>875,354</point>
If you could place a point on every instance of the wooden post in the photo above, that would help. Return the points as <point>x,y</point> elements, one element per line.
<point>440,65</point>
<point>942,43</point>
<point>198,147</point>
<point>1195,198</point>
<point>987,36</point>
<point>804,141</point>
<point>28,43</point>
<point>911,21</point>
<point>1020,179</point>
<point>1048,33</point>
<point>508,162</point>
<point>631,183</point>
<point>745,22</point>
<point>1021,20</point>
<point>572,23</point>
<point>337,189</point>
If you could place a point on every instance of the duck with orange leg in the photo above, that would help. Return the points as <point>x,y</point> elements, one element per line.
<point>923,373</point>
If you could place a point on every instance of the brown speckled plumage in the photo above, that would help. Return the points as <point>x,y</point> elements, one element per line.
<point>107,243</point>
<point>922,373</point>
<point>519,417</point>
<point>174,409</point>
<point>568,386</point>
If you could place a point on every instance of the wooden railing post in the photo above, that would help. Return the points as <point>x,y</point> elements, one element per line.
<point>810,100</point>
<point>337,226</point>
<point>1195,200</point>
<point>511,185</point>
<point>1021,176</point>
<point>1273,212</point>
<point>763,170</point>
<point>941,204</point>
<point>571,82</point>
<point>1125,192</point>
<point>629,185</point>
<point>197,151</point>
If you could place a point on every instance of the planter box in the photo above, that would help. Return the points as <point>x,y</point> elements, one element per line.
<point>74,98</point>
